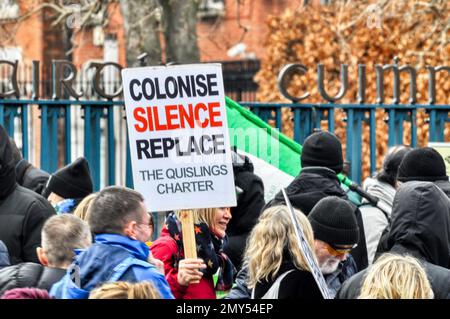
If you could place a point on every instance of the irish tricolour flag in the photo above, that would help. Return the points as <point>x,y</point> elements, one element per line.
<point>276,157</point>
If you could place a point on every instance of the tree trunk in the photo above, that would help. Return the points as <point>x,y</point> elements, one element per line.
<point>141,30</point>
<point>180,30</point>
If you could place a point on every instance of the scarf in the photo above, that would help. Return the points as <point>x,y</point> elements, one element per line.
<point>66,206</point>
<point>209,248</point>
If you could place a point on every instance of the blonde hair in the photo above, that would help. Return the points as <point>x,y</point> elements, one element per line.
<point>202,215</point>
<point>396,277</point>
<point>82,210</point>
<point>268,239</point>
<point>125,290</point>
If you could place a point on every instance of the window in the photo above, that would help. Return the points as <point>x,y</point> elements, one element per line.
<point>211,8</point>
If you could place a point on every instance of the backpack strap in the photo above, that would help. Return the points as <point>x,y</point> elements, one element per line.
<point>121,268</point>
<point>272,293</point>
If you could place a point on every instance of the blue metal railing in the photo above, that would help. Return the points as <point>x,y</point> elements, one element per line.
<point>51,112</point>
<point>55,115</point>
<point>309,116</point>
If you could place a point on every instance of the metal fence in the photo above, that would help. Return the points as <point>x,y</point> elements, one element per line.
<point>307,117</point>
<point>108,158</point>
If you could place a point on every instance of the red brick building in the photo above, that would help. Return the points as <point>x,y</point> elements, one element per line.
<point>239,25</point>
<point>36,39</point>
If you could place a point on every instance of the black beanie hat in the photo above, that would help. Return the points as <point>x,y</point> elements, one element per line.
<point>72,181</point>
<point>322,149</point>
<point>333,221</point>
<point>422,164</point>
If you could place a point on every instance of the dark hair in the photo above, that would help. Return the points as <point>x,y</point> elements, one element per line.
<point>391,163</point>
<point>17,156</point>
<point>113,208</point>
<point>151,222</point>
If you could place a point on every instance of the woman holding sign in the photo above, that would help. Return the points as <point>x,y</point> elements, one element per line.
<point>193,278</point>
<point>276,266</point>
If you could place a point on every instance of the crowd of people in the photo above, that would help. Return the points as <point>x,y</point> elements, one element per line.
<point>61,240</point>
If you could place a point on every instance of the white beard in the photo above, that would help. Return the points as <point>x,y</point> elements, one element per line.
<point>329,266</point>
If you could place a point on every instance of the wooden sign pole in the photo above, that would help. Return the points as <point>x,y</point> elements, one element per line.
<point>187,228</point>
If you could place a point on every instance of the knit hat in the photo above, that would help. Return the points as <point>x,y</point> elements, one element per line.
<point>422,164</point>
<point>322,149</point>
<point>333,221</point>
<point>72,181</point>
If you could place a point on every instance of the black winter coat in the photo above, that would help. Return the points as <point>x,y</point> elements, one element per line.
<point>444,186</point>
<point>4,255</point>
<point>29,275</point>
<point>298,284</point>
<point>439,278</point>
<point>334,280</point>
<point>31,177</point>
<point>308,188</point>
<point>420,228</point>
<point>246,213</point>
<point>22,212</point>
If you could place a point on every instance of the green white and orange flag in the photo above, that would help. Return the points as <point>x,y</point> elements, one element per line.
<point>275,156</point>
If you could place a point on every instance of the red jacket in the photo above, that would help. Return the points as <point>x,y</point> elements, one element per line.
<point>165,249</point>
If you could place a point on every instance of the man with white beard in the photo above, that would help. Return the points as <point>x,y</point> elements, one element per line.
<point>335,235</point>
<point>336,232</point>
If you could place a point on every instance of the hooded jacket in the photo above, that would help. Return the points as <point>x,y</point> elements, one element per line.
<point>31,177</point>
<point>308,188</point>
<point>29,275</point>
<point>245,215</point>
<point>420,228</point>
<point>22,211</point>
<point>105,261</point>
<point>444,186</point>
<point>374,219</point>
<point>421,223</point>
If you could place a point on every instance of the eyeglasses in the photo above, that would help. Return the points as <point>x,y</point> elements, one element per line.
<point>339,250</point>
<point>150,223</point>
<point>146,225</point>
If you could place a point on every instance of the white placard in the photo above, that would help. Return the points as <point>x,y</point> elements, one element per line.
<point>178,134</point>
<point>444,150</point>
<point>306,251</point>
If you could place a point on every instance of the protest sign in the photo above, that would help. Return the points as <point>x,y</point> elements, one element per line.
<point>178,133</point>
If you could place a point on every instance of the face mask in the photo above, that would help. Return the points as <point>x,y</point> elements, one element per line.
<point>65,206</point>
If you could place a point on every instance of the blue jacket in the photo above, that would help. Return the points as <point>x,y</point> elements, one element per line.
<point>4,256</point>
<point>111,258</point>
